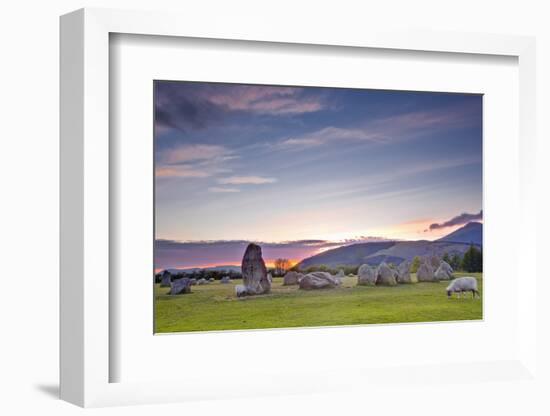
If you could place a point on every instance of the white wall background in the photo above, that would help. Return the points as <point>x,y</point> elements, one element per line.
<point>29,178</point>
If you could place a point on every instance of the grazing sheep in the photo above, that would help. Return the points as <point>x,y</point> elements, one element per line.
<point>463,284</point>
<point>240,291</point>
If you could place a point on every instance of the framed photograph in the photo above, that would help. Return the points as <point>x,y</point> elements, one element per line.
<point>293,201</point>
<point>288,206</point>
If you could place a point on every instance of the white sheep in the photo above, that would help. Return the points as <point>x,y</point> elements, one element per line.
<point>240,290</point>
<point>461,285</point>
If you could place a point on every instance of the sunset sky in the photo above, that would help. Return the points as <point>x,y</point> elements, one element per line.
<point>307,169</point>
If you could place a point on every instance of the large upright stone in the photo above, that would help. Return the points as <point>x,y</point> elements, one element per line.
<point>166,279</point>
<point>180,286</point>
<point>366,275</point>
<point>425,272</point>
<point>404,272</point>
<point>435,261</point>
<point>385,276</point>
<point>318,280</point>
<point>444,271</point>
<point>255,278</point>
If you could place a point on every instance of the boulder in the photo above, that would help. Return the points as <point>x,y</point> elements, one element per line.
<point>292,278</point>
<point>425,272</point>
<point>166,279</point>
<point>444,271</point>
<point>180,286</point>
<point>255,277</point>
<point>201,281</point>
<point>192,282</point>
<point>435,262</point>
<point>404,272</point>
<point>340,274</point>
<point>446,267</point>
<point>240,291</point>
<point>225,279</point>
<point>318,280</point>
<point>366,275</point>
<point>385,276</point>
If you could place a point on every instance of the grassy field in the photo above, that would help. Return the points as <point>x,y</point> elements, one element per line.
<point>215,307</point>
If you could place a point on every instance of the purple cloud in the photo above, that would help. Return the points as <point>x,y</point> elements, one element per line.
<point>461,219</point>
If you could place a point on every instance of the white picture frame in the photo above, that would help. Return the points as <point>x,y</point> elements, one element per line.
<point>86,356</point>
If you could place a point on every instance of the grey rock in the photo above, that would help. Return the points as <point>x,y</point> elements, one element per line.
<point>225,279</point>
<point>202,281</point>
<point>240,291</point>
<point>180,286</point>
<point>318,280</point>
<point>444,271</point>
<point>255,277</point>
<point>435,262</point>
<point>366,275</point>
<point>292,278</point>
<point>404,272</point>
<point>385,276</point>
<point>425,272</point>
<point>166,279</point>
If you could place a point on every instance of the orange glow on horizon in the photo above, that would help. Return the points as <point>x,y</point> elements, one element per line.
<point>269,263</point>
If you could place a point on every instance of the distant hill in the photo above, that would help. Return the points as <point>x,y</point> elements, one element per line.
<point>213,268</point>
<point>397,251</point>
<point>347,255</point>
<point>470,233</point>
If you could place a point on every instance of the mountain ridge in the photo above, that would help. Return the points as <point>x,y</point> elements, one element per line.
<point>396,252</point>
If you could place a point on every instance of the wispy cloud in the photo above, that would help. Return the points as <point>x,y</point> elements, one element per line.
<point>266,100</point>
<point>246,180</point>
<point>182,171</point>
<point>461,219</point>
<point>196,152</point>
<point>188,106</point>
<point>382,130</point>
<point>331,134</point>
<point>194,161</point>
<point>219,189</point>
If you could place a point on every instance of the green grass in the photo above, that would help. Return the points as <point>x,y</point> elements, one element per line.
<point>215,307</point>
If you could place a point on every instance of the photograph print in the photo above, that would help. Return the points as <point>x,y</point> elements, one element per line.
<point>292,206</point>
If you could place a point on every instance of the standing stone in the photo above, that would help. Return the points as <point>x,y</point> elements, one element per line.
<point>192,282</point>
<point>201,281</point>
<point>446,267</point>
<point>318,280</point>
<point>340,274</point>
<point>292,278</point>
<point>166,279</point>
<point>425,272</point>
<point>385,276</point>
<point>366,275</point>
<point>225,279</point>
<point>435,262</point>
<point>255,278</point>
<point>444,271</point>
<point>180,286</point>
<point>404,272</point>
